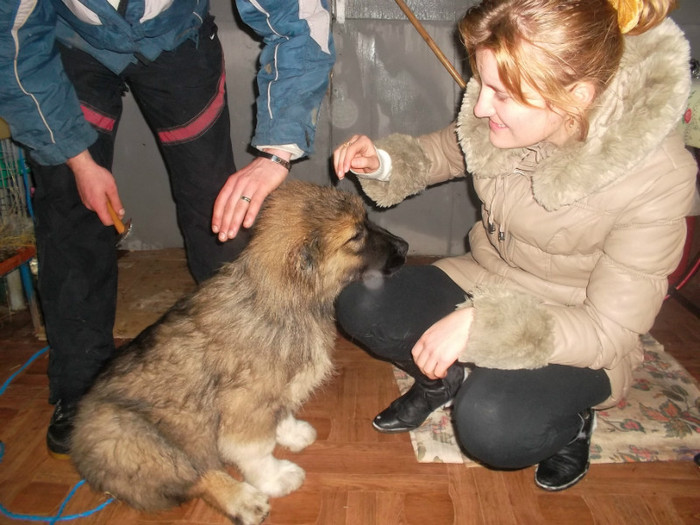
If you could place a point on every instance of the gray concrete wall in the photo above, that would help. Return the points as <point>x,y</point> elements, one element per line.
<point>386,80</point>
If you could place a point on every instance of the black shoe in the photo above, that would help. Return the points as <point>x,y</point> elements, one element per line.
<point>60,428</point>
<point>568,466</point>
<point>411,409</point>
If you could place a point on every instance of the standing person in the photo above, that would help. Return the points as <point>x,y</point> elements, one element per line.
<point>66,66</point>
<point>568,128</point>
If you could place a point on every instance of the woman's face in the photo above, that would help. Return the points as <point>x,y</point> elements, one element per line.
<point>512,124</point>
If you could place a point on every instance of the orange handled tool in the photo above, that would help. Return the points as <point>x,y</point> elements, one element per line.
<point>122,228</point>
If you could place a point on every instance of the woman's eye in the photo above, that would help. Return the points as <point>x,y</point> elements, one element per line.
<point>502,96</point>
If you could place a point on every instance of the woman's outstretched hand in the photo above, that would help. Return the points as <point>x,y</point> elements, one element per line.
<point>357,154</point>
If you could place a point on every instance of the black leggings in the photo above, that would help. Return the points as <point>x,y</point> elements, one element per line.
<point>507,419</point>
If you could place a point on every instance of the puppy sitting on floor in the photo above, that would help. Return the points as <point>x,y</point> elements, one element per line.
<point>217,379</point>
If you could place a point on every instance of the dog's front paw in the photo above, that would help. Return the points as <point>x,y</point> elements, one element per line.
<point>286,478</point>
<point>295,434</point>
<point>250,506</point>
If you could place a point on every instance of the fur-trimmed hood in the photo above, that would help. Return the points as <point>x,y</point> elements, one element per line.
<point>642,105</point>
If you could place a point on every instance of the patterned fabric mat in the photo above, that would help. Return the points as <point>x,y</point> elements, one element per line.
<point>658,421</point>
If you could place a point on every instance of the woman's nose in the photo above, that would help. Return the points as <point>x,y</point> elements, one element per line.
<point>483,107</point>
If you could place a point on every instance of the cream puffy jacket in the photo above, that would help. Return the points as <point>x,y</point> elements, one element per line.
<point>569,263</point>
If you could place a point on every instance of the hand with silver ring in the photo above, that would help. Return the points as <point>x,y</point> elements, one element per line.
<point>251,184</point>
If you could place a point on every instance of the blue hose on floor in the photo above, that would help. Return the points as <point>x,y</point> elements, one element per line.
<point>58,517</point>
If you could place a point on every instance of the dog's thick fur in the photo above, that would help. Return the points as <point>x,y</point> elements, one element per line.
<point>217,379</point>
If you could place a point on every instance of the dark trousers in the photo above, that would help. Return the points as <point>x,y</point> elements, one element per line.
<point>182,96</point>
<point>504,418</point>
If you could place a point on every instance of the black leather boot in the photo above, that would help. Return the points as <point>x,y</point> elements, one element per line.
<point>568,466</point>
<point>426,395</point>
<point>60,428</point>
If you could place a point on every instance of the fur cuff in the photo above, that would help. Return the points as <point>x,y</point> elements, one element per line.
<point>409,171</point>
<point>511,330</point>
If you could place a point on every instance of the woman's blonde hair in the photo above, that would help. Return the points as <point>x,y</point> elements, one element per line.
<point>551,45</point>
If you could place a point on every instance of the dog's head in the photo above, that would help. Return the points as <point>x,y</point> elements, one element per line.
<point>321,238</point>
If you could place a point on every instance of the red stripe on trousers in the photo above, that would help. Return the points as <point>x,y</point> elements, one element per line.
<point>98,120</point>
<point>201,122</point>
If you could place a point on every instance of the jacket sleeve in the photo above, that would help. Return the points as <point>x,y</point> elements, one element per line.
<point>36,98</point>
<point>416,163</point>
<point>295,66</point>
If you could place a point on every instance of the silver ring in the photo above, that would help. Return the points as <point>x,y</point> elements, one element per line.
<point>244,198</point>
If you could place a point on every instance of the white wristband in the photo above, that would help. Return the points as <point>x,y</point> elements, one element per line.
<point>383,172</point>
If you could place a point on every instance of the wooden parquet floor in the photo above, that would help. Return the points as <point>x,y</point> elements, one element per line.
<point>356,476</point>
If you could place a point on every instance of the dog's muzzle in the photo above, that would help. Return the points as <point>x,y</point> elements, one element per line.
<point>388,250</point>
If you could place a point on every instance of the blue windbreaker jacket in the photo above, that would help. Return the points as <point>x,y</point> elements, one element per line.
<point>42,109</point>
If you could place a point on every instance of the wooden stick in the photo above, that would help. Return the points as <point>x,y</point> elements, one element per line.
<point>431,43</point>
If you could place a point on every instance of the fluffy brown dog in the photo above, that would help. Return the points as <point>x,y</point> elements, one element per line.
<point>217,379</point>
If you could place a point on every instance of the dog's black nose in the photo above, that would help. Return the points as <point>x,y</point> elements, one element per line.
<point>398,257</point>
<point>391,248</point>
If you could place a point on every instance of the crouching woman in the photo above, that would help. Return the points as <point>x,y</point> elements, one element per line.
<point>568,131</point>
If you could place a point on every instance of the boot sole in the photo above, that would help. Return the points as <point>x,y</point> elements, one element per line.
<point>393,430</point>
<point>59,455</point>
<point>566,485</point>
<point>55,449</point>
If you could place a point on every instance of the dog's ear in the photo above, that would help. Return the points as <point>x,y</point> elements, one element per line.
<point>309,254</point>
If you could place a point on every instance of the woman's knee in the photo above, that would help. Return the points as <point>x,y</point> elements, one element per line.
<point>397,305</point>
<point>355,308</point>
<point>484,433</point>
<point>499,434</point>
<point>367,317</point>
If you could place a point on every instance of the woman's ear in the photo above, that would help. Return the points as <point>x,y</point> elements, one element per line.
<point>584,92</point>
